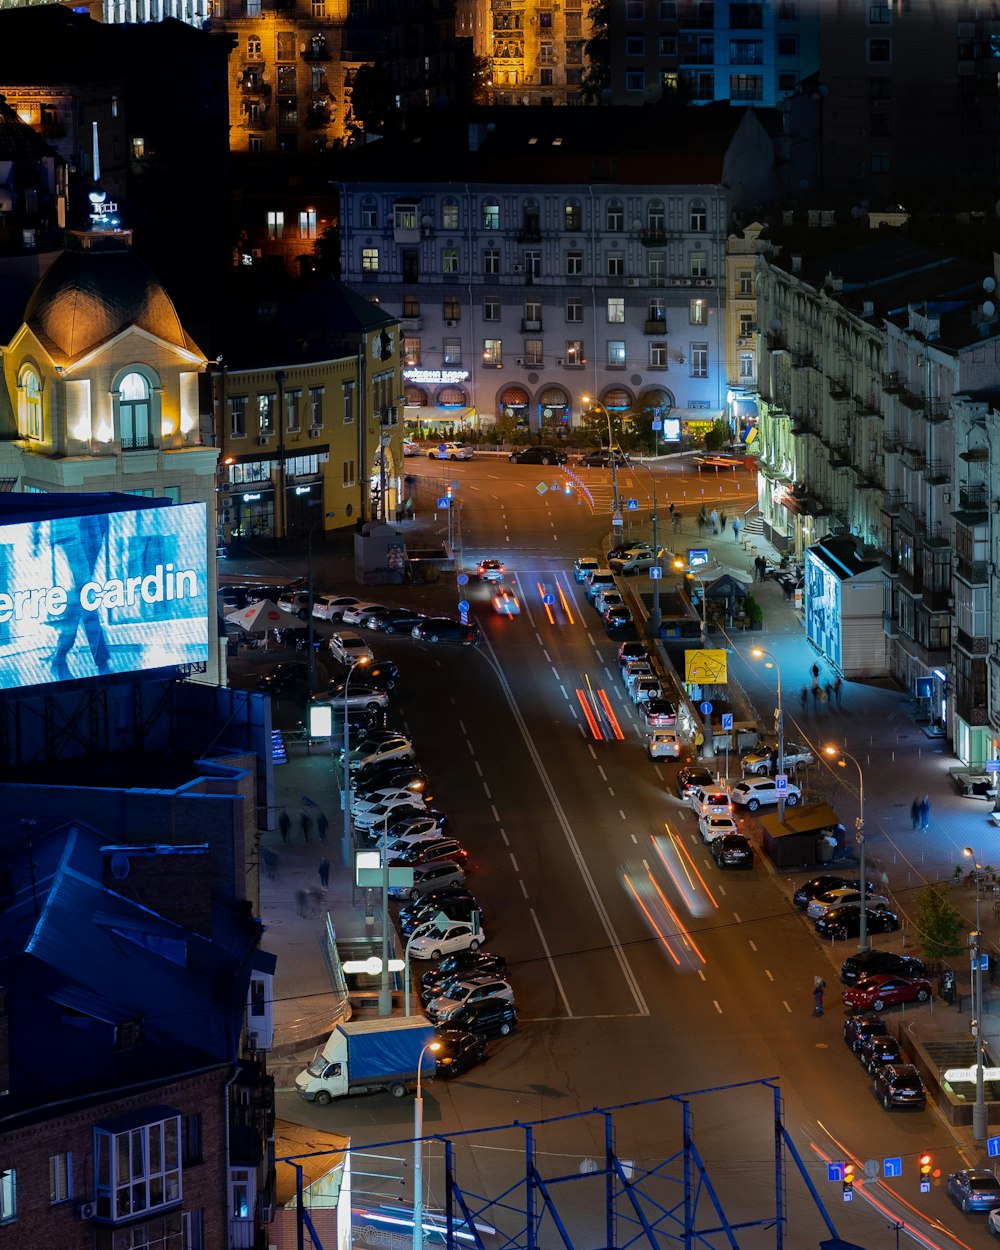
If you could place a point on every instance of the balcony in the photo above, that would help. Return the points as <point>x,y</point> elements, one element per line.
<point>914,458</point>
<point>530,234</point>
<point>803,360</point>
<point>840,458</point>
<point>972,572</point>
<point>936,411</point>
<point>653,237</point>
<point>865,407</point>
<point>937,472</point>
<point>911,399</point>
<point>890,626</point>
<point>775,342</point>
<point>838,388</point>
<point>972,498</point>
<point>891,383</point>
<point>892,502</point>
<point>531,325</point>
<point>655,325</point>
<point>316,50</point>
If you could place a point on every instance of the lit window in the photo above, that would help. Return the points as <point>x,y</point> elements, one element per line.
<point>137,1170</point>
<point>451,308</point>
<point>572,217</point>
<point>60,1178</point>
<point>492,352</point>
<point>411,306</point>
<point>134,415</point>
<point>30,402</point>
<point>406,216</point>
<point>307,223</point>
<point>616,354</point>
<point>138,148</point>
<point>746,367</point>
<point>574,353</point>
<point>8,1196</point>
<point>532,351</point>
<point>275,225</point>
<point>452,352</point>
<point>449,260</point>
<point>491,216</point>
<point>699,312</point>
<point>411,350</point>
<point>449,215</point>
<point>616,309</point>
<point>265,412</point>
<point>369,260</point>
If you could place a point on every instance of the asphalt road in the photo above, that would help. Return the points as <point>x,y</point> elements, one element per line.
<point>640,969</point>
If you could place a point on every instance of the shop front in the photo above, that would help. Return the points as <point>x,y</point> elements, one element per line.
<point>515,404</point>
<point>555,412</point>
<point>437,404</point>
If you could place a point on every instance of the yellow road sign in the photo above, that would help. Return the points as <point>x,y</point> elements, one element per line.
<point>704,667</point>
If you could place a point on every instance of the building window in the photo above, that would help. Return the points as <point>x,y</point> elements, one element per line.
<point>635,45</point>
<point>8,1196</point>
<point>30,396</point>
<point>746,16</point>
<point>746,367</point>
<point>349,478</point>
<point>656,269</point>
<point>275,225</point>
<point>491,260</point>
<point>879,51</point>
<point>657,311</point>
<point>658,354</point>
<point>533,352</point>
<point>491,216</point>
<point>698,314</point>
<point>253,47</point>
<point>134,416</point>
<point>285,45</point>
<point>574,309</point>
<point>698,217</point>
<point>614,219</point>
<point>881,163</point>
<point>746,87</point>
<point>879,88</point>
<point>533,263</point>
<point>533,314</point>
<point>574,264</point>
<point>572,217</point>
<point>256,144</point>
<point>307,223</point>
<point>699,264</point>
<point>788,45</point>
<point>406,216</point>
<point>574,353</point>
<point>316,394</point>
<point>369,260</point>
<point>137,1170</point>
<point>191,1149</point>
<point>265,411</point>
<point>699,360</point>
<point>293,411</point>
<point>492,352</point>
<point>668,45</point>
<point>452,352</point>
<point>369,215</point>
<point>411,306</point>
<point>545,77</point>
<point>546,52</point>
<point>616,265</point>
<point>319,8</point>
<point>545,19</point>
<point>746,52</point>
<point>237,416</point>
<point>60,1178</point>
<point>879,13</point>
<point>787,82</point>
<point>411,351</point>
<point>668,10</point>
<point>449,260</point>
<point>616,353</point>
<point>744,278</point>
<point>746,325</point>
<point>348,403</point>
<point>656,217</point>
<point>616,309</point>
<point>491,310</point>
<point>451,308</point>
<point>449,215</point>
<point>635,10</point>
<point>635,80</point>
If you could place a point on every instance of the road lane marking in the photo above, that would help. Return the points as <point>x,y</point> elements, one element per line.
<point>593,753</point>
<point>552,965</point>
<point>635,839</point>
<point>524,888</point>
<point>736,917</point>
<point>715,1004</point>
<point>784,1003</point>
<point>548,658</point>
<point>503,834</point>
<point>465,732</point>
<point>513,861</point>
<point>479,767</point>
<point>555,672</point>
<point>753,946</point>
<point>701,973</point>
<point>472,749</point>
<point>563,689</point>
<point>620,812</point>
<point>767,973</point>
<point>603,774</point>
<point>496,814</point>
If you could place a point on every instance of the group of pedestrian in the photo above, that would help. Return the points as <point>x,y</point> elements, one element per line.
<point>920,814</point>
<point>828,693</point>
<point>759,568</point>
<point>305,825</point>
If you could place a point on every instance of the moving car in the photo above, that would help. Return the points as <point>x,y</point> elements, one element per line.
<point>359,695</point>
<point>463,993</point>
<point>755,794</point>
<point>505,603</point>
<point>878,992</point>
<point>490,571</point>
<point>410,448</point>
<point>615,553</point>
<point>711,800</point>
<point>445,629</point>
<point>607,597</point>
<point>583,565</point>
<point>350,648</point>
<point>711,826</point>
<point>664,744</point>
<point>457,1051</point>
<point>463,964</point>
<point>872,961</point>
<point>602,459</point>
<point>538,455</point>
<point>809,890</point>
<point>437,875</point>
<point>899,1085</point>
<point>449,451</point>
<point>445,937</point>
<point>732,850</point>
<point>764,760</point>
<point>397,620</point>
<point>632,650</point>
<point>845,922</point>
<point>974,1190</point>
<point>637,664</point>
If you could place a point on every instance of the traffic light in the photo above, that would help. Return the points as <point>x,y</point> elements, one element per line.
<point>848,1182</point>
<point>926,1167</point>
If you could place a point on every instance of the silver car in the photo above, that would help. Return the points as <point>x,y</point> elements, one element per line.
<point>439,874</point>
<point>460,993</point>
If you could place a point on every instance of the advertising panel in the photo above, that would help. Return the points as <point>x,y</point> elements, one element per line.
<point>107,592</point>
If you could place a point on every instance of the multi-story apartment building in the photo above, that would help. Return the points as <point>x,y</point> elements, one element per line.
<point>747,53</point>
<point>741,331</point>
<point>534,50</point>
<point>545,254</point>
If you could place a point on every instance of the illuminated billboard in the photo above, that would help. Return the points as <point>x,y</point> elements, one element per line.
<point>105,592</point>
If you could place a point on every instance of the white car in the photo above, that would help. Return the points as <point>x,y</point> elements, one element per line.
<point>445,936</point>
<point>664,744</point>
<point>357,612</point>
<point>711,800</point>
<point>381,813</point>
<point>643,686</point>
<point>607,597</point>
<point>763,791</point>
<point>633,561</point>
<point>639,667</point>
<point>449,451</point>
<point>392,749</point>
<point>583,565</point>
<point>460,993</point>
<point>331,607</point>
<point>379,797</point>
<point>349,647</point>
<point>841,897</point>
<point>410,448</point>
<point>762,761</point>
<point>711,827</point>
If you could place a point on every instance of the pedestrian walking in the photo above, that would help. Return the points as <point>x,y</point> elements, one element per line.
<point>324,873</point>
<point>815,694</point>
<point>925,813</point>
<point>314,901</point>
<point>736,529</point>
<point>677,520</point>
<point>714,518</point>
<point>671,510</point>
<point>302,902</point>
<point>722,521</point>
<point>270,859</point>
<point>804,698</point>
<point>837,692</point>
<point>815,672</point>
<point>819,985</point>
<point>915,814</point>
<point>284,825</point>
<point>322,824</point>
<point>305,823</point>
<point>828,693</point>
<point>702,519</point>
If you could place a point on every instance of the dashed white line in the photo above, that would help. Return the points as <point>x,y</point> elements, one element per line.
<point>548,658</point>
<point>753,946</point>
<point>720,888</point>
<point>555,672</point>
<point>461,725</point>
<point>604,775</point>
<point>563,689</point>
<point>701,974</point>
<point>635,839</point>
<point>786,1006</point>
<point>513,861</point>
<point>496,814</point>
<point>503,834</point>
<point>479,767</point>
<point>524,888</point>
<point>767,973</point>
<point>715,1004</point>
<point>486,790</point>
<point>590,639</point>
<point>620,812</point>
<point>472,749</point>
<point>590,748</point>
<point>552,966</point>
<point>538,639</point>
<point>736,917</point>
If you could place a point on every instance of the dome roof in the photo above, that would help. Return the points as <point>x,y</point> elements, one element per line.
<point>91,293</point>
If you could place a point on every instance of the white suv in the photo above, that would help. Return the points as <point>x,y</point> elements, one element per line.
<point>450,451</point>
<point>349,647</point>
<point>761,791</point>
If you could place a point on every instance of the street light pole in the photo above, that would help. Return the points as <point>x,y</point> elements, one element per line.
<point>421,928</point>
<point>980,1117</point>
<point>616,507</point>
<point>759,653</point>
<point>655,617</point>
<point>418,1152</point>
<point>345,797</point>
<point>860,826</point>
<point>310,630</point>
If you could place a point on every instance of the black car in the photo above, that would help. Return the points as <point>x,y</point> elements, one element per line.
<point>489,1017</point>
<point>382,675</point>
<point>538,455</point>
<point>874,962</point>
<point>602,459</point>
<point>845,922</point>
<point>289,677</point>
<point>615,553</point>
<point>691,777</point>
<point>879,1050</point>
<point>458,906</point>
<point>617,618</point>
<point>398,620</point>
<point>458,1051</point>
<point>732,850</point>
<point>858,1029</point>
<point>810,890</point>
<point>398,773</point>
<point>445,629</point>
<point>899,1085</point>
<point>460,964</point>
<point>425,853</point>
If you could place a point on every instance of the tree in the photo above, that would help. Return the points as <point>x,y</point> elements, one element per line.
<point>597,76</point>
<point>937,922</point>
<point>373,102</point>
<point>717,436</point>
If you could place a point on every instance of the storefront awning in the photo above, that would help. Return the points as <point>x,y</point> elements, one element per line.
<point>697,414</point>
<point>439,415</point>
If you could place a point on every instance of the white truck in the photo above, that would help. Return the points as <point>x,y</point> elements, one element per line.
<point>363,1056</point>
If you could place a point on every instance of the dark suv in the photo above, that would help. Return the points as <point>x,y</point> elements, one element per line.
<point>538,455</point>
<point>873,962</point>
<point>488,1017</point>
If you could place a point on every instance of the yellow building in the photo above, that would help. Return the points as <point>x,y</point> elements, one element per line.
<point>741,332</point>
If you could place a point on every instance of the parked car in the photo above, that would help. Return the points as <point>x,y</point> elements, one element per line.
<point>458,1051</point>
<point>538,455</point>
<point>602,459</point>
<point>711,800</point>
<point>289,677</point>
<point>607,597</point>
<point>375,750</point>
<point>632,650</point>
<point>390,772</point>
<point>859,1029</point>
<point>505,603</point>
<point>659,713</point>
<point>350,648</point>
<point>456,904</point>
<point>755,794</point>
<point>583,565</point>
<point>711,826</point>
<point>446,937</point>
<point>842,896</point>
<point>878,992</point>
<point>490,571</point>
<point>879,1050</point>
<point>617,618</point>
<point>763,761</point>
<point>445,629</point>
<point>872,962</point>
<point>844,922</point>
<point>381,674</point>
<point>356,614</point>
<point>426,822</point>
<point>464,963</point>
<point>449,451</point>
<point>975,1189</point>
<point>359,695</point>
<point>380,814</point>
<point>732,850</point>
<point>463,993</point>
<point>637,665</point>
<point>296,602</point>
<point>598,579</point>
<point>331,607</point>
<point>443,848</point>
<point>365,800</point>
<point>440,873</point>
<point>397,620</point>
<point>615,553</point>
<point>642,689</point>
<point>664,744</point>
<point>690,778</point>
<point>636,561</point>
<point>410,448</point>
<point>816,886</point>
<point>899,1085</point>
<point>491,1017</point>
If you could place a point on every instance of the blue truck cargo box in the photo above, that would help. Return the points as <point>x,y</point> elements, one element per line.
<point>387,1047</point>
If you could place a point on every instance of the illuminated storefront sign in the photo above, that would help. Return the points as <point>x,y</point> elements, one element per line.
<point>436,377</point>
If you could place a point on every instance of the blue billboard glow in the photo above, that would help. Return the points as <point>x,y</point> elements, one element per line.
<point>107,592</point>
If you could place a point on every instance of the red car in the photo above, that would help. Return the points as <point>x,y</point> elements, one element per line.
<point>874,993</point>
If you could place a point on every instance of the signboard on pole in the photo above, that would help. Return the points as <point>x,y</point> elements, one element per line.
<point>708,667</point>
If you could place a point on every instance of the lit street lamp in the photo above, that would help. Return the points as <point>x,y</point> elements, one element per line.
<point>980,1116</point>
<point>616,507</point>
<point>759,653</point>
<point>860,826</point>
<point>418,1152</point>
<point>345,798</point>
<point>655,617</point>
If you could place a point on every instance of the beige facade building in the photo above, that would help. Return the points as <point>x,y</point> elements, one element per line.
<point>741,328</point>
<point>534,48</point>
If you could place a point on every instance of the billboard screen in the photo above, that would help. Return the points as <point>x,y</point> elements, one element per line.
<point>108,592</point>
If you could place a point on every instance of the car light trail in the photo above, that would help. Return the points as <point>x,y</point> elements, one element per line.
<point>584,702</point>
<point>649,917</point>
<point>565,605</point>
<point>686,937</point>
<point>661,917</point>
<point>663,846</point>
<point>542,592</point>
<point>616,729</point>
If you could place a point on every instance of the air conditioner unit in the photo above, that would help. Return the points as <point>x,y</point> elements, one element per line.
<point>86,1210</point>
<point>631,281</point>
<point>676,281</point>
<point>519,361</point>
<point>519,269</point>
<point>701,282</point>
<point>315,431</point>
<point>263,439</point>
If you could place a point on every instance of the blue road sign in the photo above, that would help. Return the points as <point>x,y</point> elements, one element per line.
<point>463,605</point>
<point>656,572</point>
<point>462,579</point>
<point>727,720</point>
<point>443,501</point>
<point>555,486</point>
<point>657,424</point>
<point>781,782</point>
<point>706,708</point>
<point>548,598</point>
<point>984,962</point>
<point>834,1172</point>
<point>442,448</point>
<point>632,505</point>
<point>993,1146</point>
<point>893,1166</point>
<point>992,766</point>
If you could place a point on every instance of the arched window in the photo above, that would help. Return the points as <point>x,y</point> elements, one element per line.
<point>29,387</point>
<point>698,216</point>
<point>449,215</point>
<point>134,417</point>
